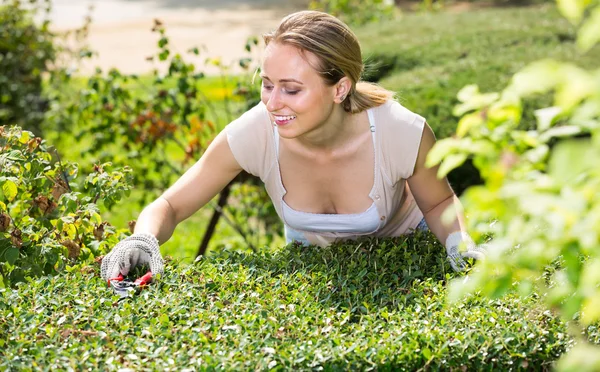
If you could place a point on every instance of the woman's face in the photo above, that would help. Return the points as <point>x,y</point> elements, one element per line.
<point>296,97</point>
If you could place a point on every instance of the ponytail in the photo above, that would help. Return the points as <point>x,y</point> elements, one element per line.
<point>365,96</point>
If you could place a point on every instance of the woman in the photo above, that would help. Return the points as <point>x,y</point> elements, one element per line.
<point>340,158</point>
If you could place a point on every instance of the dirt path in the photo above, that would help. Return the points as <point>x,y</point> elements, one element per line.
<point>121,35</point>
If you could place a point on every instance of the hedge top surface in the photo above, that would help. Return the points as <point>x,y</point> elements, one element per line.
<point>378,304</point>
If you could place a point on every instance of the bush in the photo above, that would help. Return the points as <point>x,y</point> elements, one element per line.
<point>375,304</point>
<point>46,220</point>
<point>433,56</point>
<point>540,199</point>
<point>26,50</point>
<point>159,125</point>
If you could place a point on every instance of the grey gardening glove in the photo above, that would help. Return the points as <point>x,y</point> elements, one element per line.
<point>456,256</point>
<point>138,249</point>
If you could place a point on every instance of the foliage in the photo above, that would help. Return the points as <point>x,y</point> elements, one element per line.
<point>160,127</point>
<point>540,199</point>
<point>356,12</point>
<point>26,51</point>
<point>374,304</point>
<point>430,57</point>
<point>48,220</point>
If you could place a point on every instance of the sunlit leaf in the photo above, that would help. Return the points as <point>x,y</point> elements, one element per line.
<point>572,9</point>
<point>589,32</point>
<point>440,150</point>
<point>546,116</point>
<point>9,189</point>
<point>449,163</point>
<point>538,77</point>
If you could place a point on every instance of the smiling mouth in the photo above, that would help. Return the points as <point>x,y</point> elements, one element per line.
<point>283,119</point>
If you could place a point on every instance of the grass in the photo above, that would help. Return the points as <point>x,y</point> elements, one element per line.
<point>380,304</point>
<point>434,55</point>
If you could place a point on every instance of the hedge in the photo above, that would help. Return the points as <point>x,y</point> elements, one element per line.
<point>375,304</point>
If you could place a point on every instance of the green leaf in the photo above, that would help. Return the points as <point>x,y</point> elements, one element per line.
<point>440,150</point>
<point>546,116</point>
<point>571,158</point>
<point>11,255</point>
<point>572,9</point>
<point>538,77</point>
<point>468,122</point>
<point>589,33</point>
<point>162,42</point>
<point>9,189</point>
<point>449,163</point>
<point>25,137</point>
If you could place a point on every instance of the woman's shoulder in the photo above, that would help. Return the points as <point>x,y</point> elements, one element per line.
<point>255,117</point>
<point>393,113</point>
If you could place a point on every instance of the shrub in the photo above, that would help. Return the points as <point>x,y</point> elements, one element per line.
<point>373,304</point>
<point>46,220</point>
<point>160,125</point>
<point>433,56</point>
<point>26,50</point>
<point>541,185</point>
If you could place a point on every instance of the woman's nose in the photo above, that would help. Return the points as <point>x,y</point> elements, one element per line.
<point>274,102</point>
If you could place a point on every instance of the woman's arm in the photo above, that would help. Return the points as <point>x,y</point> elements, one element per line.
<point>433,195</point>
<point>196,187</point>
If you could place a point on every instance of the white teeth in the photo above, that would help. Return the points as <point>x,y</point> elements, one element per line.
<point>284,118</point>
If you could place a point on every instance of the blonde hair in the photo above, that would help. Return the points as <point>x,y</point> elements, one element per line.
<point>338,52</point>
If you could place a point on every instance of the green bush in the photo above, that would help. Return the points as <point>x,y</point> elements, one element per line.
<point>375,304</point>
<point>433,56</point>
<point>159,125</point>
<point>47,221</point>
<point>26,50</point>
<point>540,200</point>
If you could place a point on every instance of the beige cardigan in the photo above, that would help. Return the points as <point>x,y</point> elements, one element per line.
<point>397,138</point>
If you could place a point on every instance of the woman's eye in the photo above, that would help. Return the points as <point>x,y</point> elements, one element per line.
<point>291,92</point>
<point>267,87</point>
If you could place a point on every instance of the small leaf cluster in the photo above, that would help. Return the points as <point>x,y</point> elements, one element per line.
<point>375,304</point>
<point>540,198</point>
<point>47,219</point>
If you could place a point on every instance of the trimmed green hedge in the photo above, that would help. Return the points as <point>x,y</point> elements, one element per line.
<point>377,304</point>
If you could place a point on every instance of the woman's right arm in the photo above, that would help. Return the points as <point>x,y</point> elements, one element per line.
<point>198,185</point>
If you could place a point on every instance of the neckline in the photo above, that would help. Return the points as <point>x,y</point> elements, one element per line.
<point>375,168</point>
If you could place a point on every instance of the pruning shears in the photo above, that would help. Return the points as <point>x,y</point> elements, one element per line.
<point>127,288</point>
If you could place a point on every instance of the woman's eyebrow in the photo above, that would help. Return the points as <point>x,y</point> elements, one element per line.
<point>289,80</point>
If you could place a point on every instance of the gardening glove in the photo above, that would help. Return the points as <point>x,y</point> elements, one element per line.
<point>455,256</point>
<point>138,249</point>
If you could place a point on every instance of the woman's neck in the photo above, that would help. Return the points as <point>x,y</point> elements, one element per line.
<point>333,136</point>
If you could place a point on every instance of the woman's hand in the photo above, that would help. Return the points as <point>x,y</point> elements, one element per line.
<point>456,256</point>
<point>138,249</point>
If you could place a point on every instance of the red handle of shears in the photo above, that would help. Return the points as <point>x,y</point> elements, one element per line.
<point>141,281</point>
<point>145,279</point>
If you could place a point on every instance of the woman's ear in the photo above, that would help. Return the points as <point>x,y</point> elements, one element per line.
<point>342,89</point>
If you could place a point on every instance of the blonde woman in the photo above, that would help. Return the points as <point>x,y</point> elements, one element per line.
<point>340,158</point>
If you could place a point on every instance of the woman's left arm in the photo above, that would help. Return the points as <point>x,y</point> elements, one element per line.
<point>434,196</point>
